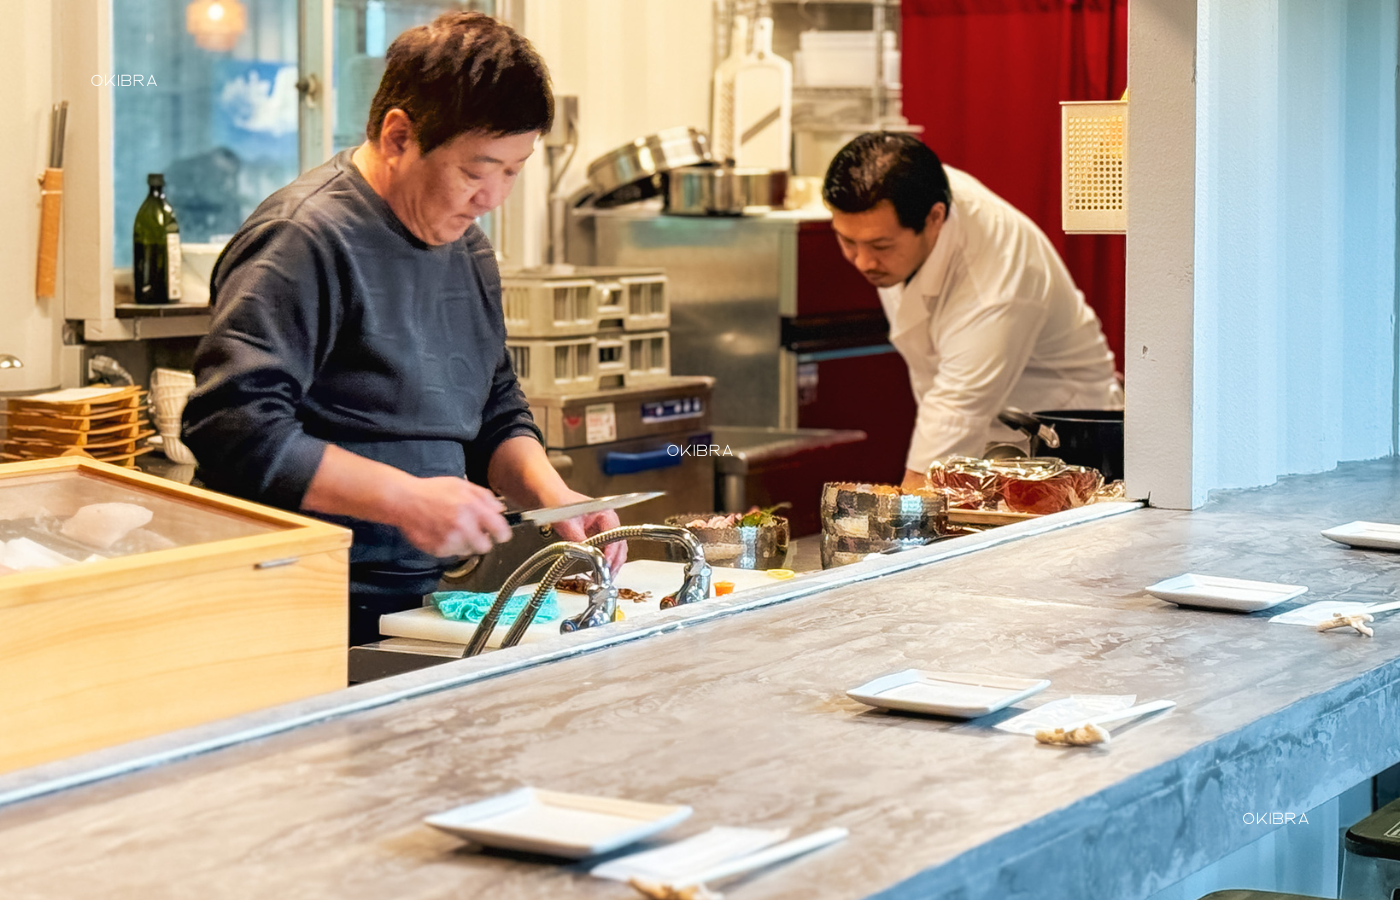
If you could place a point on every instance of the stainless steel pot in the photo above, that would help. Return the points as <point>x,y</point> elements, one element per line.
<point>1081,437</point>
<point>633,171</point>
<point>724,190</point>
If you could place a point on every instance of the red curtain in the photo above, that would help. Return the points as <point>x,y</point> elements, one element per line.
<point>985,78</point>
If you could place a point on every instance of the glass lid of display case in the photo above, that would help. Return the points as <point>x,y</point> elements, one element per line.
<point>63,518</point>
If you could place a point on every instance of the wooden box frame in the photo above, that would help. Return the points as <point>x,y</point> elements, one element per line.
<point>114,650</point>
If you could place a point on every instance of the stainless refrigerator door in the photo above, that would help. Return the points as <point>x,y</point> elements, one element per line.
<point>725,276</point>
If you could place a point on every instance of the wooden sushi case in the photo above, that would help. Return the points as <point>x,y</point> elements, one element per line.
<point>132,606</point>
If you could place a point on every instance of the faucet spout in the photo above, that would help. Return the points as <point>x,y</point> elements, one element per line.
<point>695,586</point>
<point>560,554</point>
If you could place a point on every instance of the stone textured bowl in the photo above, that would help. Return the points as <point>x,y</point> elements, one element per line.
<point>860,519</point>
<point>740,547</point>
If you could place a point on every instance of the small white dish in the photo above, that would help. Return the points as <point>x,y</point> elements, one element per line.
<point>573,826</point>
<point>1214,592</point>
<point>1370,535</point>
<point>954,694</point>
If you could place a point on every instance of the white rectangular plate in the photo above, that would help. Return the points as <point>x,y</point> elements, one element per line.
<point>1371,535</point>
<point>573,826</point>
<point>962,696</point>
<point>1214,592</point>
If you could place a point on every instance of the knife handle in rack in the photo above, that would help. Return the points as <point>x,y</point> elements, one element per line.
<point>50,209</point>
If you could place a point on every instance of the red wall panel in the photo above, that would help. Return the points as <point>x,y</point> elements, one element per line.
<point>985,78</point>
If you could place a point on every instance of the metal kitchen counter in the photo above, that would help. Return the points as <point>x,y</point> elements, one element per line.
<point>745,718</point>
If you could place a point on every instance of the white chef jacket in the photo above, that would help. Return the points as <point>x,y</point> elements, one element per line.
<point>992,319</point>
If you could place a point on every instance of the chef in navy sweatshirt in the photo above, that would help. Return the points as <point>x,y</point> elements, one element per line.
<point>356,367</point>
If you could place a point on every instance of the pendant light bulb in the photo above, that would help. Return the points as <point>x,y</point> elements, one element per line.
<point>216,24</point>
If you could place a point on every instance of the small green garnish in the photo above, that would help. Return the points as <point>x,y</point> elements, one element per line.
<point>762,516</point>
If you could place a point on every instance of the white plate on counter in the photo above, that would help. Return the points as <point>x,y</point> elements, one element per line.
<point>1215,592</point>
<point>1370,535</point>
<point>954,694</point>
<point>573,826</point>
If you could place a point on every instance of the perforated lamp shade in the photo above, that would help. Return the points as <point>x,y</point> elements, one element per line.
<point>1094,170</point>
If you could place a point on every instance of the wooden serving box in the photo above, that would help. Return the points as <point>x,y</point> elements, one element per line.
<point>215,607</point>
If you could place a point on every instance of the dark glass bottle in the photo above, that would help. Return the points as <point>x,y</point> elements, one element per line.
<point>155,252</point>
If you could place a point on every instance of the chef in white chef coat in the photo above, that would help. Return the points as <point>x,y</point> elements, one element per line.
<point>981,307</point>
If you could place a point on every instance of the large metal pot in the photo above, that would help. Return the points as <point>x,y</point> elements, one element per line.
<point>724,190</point>
<point>1092,438</point>
<point>634,171</point>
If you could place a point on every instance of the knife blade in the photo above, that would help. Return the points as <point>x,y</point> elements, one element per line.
<point>550,514</point>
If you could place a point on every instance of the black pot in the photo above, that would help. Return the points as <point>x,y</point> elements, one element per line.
<point>1088,437</point>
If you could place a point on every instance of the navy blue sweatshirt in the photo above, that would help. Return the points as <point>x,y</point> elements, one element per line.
<point>332,323</point>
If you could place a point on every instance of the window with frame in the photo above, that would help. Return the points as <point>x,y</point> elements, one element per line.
<point>217,108</point>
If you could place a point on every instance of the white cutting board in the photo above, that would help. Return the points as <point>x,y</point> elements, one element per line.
<point>660,578</point>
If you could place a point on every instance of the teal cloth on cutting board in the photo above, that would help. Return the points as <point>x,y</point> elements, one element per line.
<point>471,606</point>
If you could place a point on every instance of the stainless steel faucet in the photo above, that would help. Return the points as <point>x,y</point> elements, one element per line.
<point>602,596</point>
<point>694,587</point>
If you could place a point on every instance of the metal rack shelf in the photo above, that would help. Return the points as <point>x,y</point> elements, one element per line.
<point>822,114</point>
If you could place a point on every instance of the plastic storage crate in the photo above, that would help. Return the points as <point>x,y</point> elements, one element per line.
<point>612,306</point>
<point>648,358</point>
<point>541,307</point>
<point>648,306</point>
<point>1094,167</point>
<point>612,360</point>
<point>549,368</point>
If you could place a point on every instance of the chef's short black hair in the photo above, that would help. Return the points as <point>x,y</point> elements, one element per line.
<point>463,72</point>
<point>879,166</point>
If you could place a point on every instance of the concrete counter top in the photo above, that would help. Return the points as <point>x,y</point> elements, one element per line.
<point>745,718</point>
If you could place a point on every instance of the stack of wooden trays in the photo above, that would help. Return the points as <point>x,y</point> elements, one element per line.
<point>106,423</point>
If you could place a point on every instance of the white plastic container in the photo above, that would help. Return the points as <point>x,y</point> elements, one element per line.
<point>196,269</point>
<point>843,59</point>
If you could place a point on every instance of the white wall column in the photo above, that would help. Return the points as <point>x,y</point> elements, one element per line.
<point>1160,314</point>
<point>1261,318</point>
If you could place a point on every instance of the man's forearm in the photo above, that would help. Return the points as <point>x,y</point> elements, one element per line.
<point>347,484</point>
<point>521,472</point>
